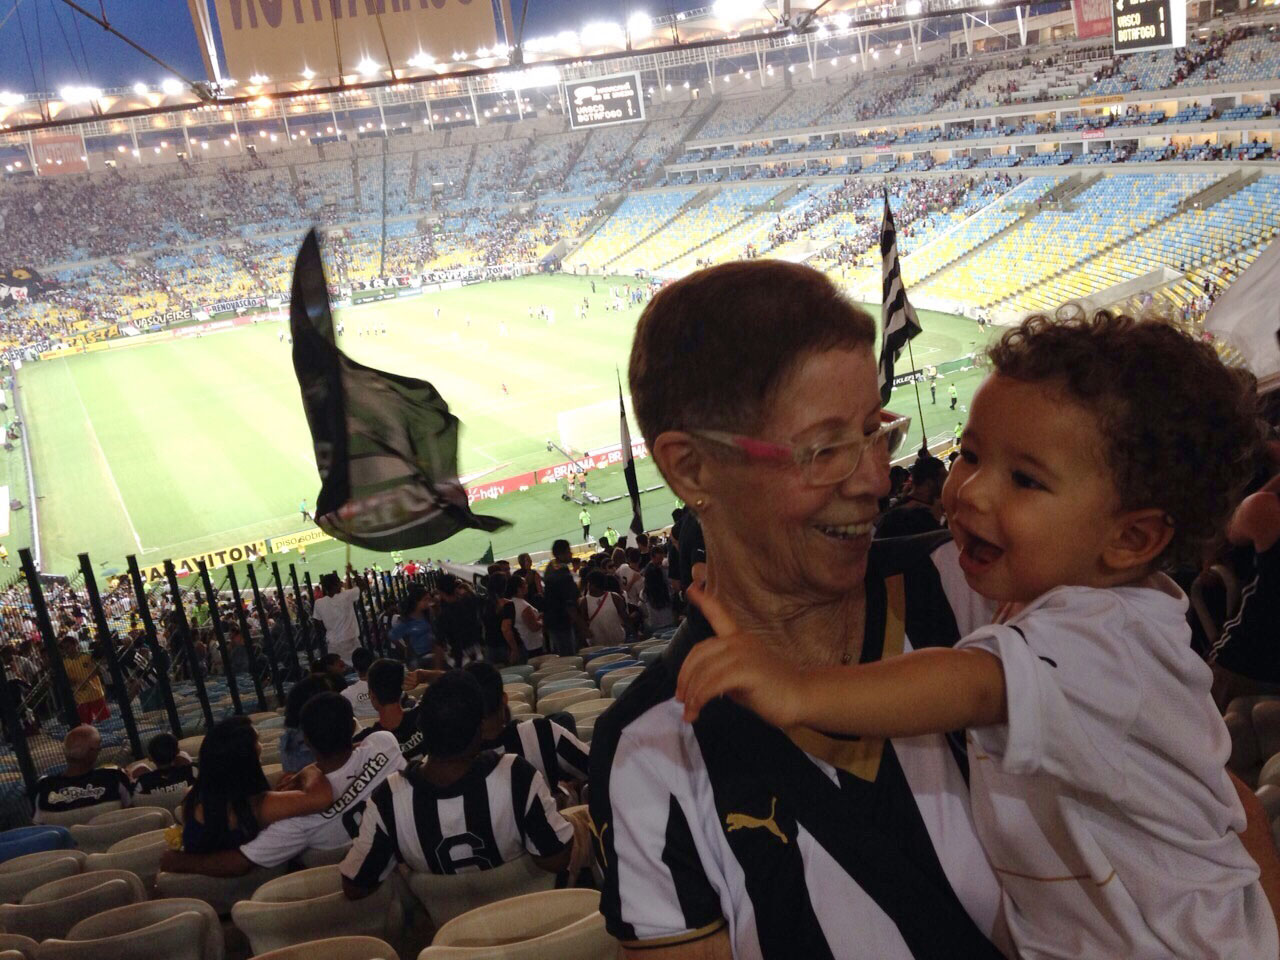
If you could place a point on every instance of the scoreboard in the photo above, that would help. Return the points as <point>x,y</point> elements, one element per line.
<point>603,101</point>
<point>1141,25</point>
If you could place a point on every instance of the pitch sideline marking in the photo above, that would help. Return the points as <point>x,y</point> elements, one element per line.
<point>102,455</point>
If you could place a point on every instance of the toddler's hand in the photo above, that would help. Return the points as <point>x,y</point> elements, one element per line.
<point>737,665</point>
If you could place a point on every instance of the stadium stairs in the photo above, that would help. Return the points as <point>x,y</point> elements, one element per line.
<point>1061,193</point>
<point>605,209</point>
<point>753,219</point>
<point>698,199</point>
<point>1212,194</point>
<point>413,174</point>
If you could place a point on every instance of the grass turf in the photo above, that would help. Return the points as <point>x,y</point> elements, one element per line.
<point>175,448</point>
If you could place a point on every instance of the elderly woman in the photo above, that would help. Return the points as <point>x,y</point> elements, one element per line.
<point>755,383</point>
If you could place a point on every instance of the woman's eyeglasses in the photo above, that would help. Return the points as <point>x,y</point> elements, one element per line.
<point>823,464</point>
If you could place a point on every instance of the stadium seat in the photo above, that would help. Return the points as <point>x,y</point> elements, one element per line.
<point>314,857</point>
<point>98,837</point>
<point>36,870</point>
<point>178,937</point>
<point>16,947</point>
<point>446,897</point>
<point>221,893</point>
<point>551,676</point>
<point>556,686</point>
<point>139,854</point>
<point>23,841</point>
<point>518,708</point>
<point>273,725</point>
<point>522,671</point>
<point>129,813</point>
<point>565,924</point>
<point>310,904</point>
<point>45,918</point>
<point>335,948</point>
<point>588,709</point>
<point>555,702</point>
<point>620,687</point>
<point>169,800</point>
<point>68,818</point>
<point>274,773</point>
<point>520,690</point>
<point>191,745</point>
<point>608,680</point>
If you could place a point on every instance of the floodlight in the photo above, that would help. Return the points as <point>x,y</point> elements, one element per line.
<point>603,33</point>
<point>259,79</point>
<point>140,89</point>
<point>640,26</point>
<point>842,21</point>
<point>913,8</point>
<point>367,67</point>
<point>171,86</point>
<point>80,94</point>
<point>10,99</point>
<point>734,10</point>
<point>308,73</point>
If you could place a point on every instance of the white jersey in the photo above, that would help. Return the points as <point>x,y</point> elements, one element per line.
<point>372,760</point>
<point>338,614</point>
<point>532,640</point>
<point>603,620</point>
<point>358,694</point>
<point>1104,802</point>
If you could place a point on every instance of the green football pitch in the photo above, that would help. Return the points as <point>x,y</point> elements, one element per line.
<point>174,448</point>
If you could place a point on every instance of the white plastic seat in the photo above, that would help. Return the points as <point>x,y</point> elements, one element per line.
<point>588,709</point>
<point>316,857</point>
<point>266,715</point>
<point>555,702</point>
<point>335,948</point>
<point>553,676</point>
<point>518,708</point>
<point>69,886</point>
<point>274,773</point>
<point>175,938</point>
<point>127,814</point>
<point>521,690</point>
<point>310,905</point>
<point>169,800</point>
<point>191,745</point>
<point>98,838</point>
<point>138,916</point>
<point>557,686</point>
<point>564,924</point>
<point>613,676</point>
<point>139,854</point>
<point>16,884</point>
<point>68,818</point>
<point>269,726</point>
<point>449,896</point>
<point>14,946</point>
<point>586,730</point>
<point>53,918</point>
<point>221,893</point>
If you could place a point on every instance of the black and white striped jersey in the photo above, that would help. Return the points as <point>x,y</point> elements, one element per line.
<point>500,810</point>
<point>554,752</point>
<point>803,845</point>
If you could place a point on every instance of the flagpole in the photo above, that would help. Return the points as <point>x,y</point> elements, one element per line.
<point>924,436</point>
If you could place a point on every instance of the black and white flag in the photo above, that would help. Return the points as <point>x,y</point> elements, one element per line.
<point>629,467</point>
<point>898,322</point>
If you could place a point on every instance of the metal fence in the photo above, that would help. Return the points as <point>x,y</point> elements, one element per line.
<point>173,656</point>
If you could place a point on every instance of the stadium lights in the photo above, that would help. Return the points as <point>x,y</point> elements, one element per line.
<point>10,99</point>
<point>734,10</point>
<point>259,79</point>
<point>171,86</point>
<point>136,152</point>
<point>421,60</point>
<point>668,88</point>
<point>640,26</point>
<point>204,144</point>
<point>842,21</point>
<point>913,8</point>
<point>897,51</point>
<point>140,89</point>
<point>686,84</point>
<point>120,149</point>
<point>75,94</point>
<point>603,33</point>
<point>822,33</point>
<point>875,54</point>
<point>367,67</point>
<point>308,73</point>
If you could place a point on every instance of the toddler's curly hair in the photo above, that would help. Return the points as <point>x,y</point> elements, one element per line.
<point>1177,426</point>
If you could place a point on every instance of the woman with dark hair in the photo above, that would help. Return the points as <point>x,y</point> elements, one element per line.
<point>231,800</point>
<point>526,620</point>
<point>502,646</point>
<point>655,599</point>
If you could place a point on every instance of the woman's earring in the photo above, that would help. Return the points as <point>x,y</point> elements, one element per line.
<point>699,503</point>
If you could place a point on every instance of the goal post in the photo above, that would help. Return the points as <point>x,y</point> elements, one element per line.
<point>593,426</point>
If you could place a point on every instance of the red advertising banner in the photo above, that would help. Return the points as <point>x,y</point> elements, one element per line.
<point>593,460</point>
<point>58,154</point>
<point>1093,18</point>
<point>1091,133</point>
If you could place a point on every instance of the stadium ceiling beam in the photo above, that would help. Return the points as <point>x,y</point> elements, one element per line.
<point>200,89</point>
<point>494,79</point>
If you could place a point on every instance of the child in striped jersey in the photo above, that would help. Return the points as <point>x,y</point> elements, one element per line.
<point>1096,450</point>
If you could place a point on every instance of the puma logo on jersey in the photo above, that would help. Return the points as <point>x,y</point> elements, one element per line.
<point>744,821</point>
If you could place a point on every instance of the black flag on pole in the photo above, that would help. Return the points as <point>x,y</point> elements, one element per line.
<point>386,445</point>
<point>898,322</point>
<point>629,467</point>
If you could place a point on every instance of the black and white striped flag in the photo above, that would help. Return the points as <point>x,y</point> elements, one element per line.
<point>898,322</point>
<point>629,468</point>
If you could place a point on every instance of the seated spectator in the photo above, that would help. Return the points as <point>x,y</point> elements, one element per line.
<point>387,682</point>
<point>334,669</point>
<point>553,750</point>
<point>85,676</point>
<point>231,800</point>
<point>917,511</point>
<point>84,784</point>
<point>486,810</point>
<point>655,599</point>
<point>170,770</point>
<point>358,692</point>
<point>294,752</point>
<point>351,772</point>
